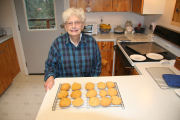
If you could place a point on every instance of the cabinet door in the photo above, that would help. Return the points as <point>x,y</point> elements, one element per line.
<point>107,52</point>
<point>176,15</point>
<point>121,5</point>
<point>72,3</point>
<point>95,5</point>
<point>5,73</point>
<point>101,5</point>
<point>14,61</point>
<point>137,6</point>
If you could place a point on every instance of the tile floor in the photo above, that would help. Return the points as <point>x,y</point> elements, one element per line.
<point>22,100</point>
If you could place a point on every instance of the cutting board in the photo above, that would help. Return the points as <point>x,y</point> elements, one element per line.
<point>157,72</point>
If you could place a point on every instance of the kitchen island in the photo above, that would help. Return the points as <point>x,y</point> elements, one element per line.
<point>143,99</point>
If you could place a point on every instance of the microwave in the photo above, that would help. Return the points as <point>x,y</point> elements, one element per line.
<point>90,29</point>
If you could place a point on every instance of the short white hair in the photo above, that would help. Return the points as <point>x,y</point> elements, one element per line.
<point>79,12</point>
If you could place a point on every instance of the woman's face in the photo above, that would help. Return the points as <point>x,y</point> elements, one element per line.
<point>74,26</point>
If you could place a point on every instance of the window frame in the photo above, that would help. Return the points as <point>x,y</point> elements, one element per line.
<point>47,29</point>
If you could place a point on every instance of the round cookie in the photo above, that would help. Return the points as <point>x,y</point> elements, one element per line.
<point>89,86</point>
<point>65,102</point>
<point>77,102</point>
<point>101,85</point>
<point>116,100</point>
<point>112,92</point>
<point>102,93</point>
<point>94,101</point>
<point>91,93</point>
<point>65,86</point>
<point>105,101</point>
<point>62,94</point>
<point>76,94</point>
<point>76,86</point>
<point>110,84</point>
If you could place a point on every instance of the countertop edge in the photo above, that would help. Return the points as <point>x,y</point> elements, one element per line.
<point>4,38</point>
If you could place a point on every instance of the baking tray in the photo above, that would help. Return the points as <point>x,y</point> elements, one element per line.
<point>56,106</point>
<point>144,48</point>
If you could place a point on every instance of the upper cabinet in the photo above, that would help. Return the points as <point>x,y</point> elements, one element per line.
<point>102,5</point>
<point>121,5</point>
<point>92,5</point>
<point>176,14</point>
<point>148,6</point>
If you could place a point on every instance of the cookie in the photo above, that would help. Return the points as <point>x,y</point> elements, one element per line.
<point>77,102</point>
<point>65,86</point>
<point>102,93</point>
<point>91,93</point>
<point>116,100</point>
<point>101,85</point>
<point>89,86</point>
<point>112,92</point>
<point>62,94</point>
<point>94,101</point>
<point>76,86</point>
<point>110,84</point>
<point>76,94</point>
<point>65,102</point>
<point>105,101</point>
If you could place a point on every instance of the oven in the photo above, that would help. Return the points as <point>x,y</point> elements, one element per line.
<point>125,48</point>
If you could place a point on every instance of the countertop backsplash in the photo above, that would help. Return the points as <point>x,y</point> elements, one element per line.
<point>115,18</point>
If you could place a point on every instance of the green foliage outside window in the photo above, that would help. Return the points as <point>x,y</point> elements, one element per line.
<point>40,14</point>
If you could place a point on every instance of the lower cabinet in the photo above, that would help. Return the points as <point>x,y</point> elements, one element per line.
<point>122,65</point>
<point>107,53</point>
<point>9,66</point>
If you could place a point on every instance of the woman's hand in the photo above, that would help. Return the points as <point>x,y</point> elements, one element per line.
<point>49,83</point>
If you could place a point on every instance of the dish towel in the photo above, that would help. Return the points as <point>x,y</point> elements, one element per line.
<point>172,80</point>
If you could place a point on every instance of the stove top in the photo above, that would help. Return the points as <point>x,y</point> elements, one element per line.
<point>165,53</point>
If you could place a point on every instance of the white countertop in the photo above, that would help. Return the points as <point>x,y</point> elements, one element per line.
<point>132,37</point>
<point>142,97</point>
<point>4,38</point>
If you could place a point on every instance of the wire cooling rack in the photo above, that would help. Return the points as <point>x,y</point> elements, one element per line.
<point>85,99</point>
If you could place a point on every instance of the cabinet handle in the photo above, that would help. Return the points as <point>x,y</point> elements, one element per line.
<point>103,45</point>
<point>177,10</point>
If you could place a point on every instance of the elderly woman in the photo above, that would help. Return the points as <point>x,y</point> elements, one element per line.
<point>73,54</point>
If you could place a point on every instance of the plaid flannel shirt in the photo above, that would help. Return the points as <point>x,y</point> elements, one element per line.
<point>66,60</point>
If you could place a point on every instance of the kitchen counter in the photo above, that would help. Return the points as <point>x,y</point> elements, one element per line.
<point>4,38</point>
<point>142,97</point>
<point>132,37</point>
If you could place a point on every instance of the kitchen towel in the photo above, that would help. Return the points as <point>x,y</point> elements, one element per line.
<point>172,80</point>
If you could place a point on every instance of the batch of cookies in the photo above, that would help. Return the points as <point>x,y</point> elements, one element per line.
<point>105,94</point>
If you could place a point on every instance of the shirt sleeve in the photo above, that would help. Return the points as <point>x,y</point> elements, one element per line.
<point>96,71</point>
<point>51,63</point>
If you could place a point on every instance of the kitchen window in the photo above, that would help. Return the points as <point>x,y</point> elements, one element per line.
<point>40,14</point>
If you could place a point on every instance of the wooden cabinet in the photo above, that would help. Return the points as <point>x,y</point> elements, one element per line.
<point>95,5</point>
<point>176,15</point>
<point>102,5</point>
<point>107,53</point>
<point>121,5</point>
<point>122,65</point>
<point>148,6</point>
<point>9,66</point>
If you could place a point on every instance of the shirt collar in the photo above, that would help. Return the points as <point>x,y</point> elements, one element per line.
<point>82,39</point>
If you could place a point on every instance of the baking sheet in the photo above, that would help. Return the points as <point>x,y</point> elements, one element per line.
<point>144,48</point>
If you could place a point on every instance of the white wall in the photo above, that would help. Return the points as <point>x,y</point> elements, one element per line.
<point>165,19</point>
<point>8,20</point>
<point>115,18</point>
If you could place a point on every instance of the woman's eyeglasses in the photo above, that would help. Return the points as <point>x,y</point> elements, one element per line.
<point>77,23</point>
